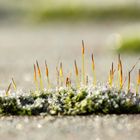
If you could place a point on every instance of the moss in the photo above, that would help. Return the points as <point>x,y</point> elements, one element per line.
<point>130,45</point>
<point>72,102</point>
<point>80,96</point>
<point>81,12</point>
<point>9,106</point>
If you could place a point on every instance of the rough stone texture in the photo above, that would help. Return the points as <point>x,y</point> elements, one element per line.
<point>71,128</point>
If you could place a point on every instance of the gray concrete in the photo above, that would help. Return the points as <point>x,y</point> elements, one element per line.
<point>71,128</point>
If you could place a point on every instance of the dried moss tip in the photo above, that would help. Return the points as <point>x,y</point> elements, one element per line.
<point>47,70</point>
<point>83,63</point>
<point>112,68</point>
<point>35,78</point>
<point>38,68</point>
<point>14,84</point>
<point>83,47</point>
<point>111,75</point>
<point>47,74</point>
<point>120,69</point>
<point>119,59</point>
<point>61,70</point>
<point>121,78</point>
<point>35,75</point>
<point>135,65</point>
<point>93,64</point>
<point>68,82</point>
<point>76,68</point>
<point>77,74</point>
<point>61,74</point>
<point>87,80</point>
<point>93,70</point>
<point>110,78</point>
<point>39,74</point>
<point>8,89</point>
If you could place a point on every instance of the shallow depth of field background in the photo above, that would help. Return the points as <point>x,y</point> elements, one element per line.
<point>52,30</point>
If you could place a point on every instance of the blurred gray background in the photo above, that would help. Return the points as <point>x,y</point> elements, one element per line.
<point>52,30</point>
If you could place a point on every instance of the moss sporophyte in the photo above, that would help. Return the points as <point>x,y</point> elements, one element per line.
<point>83,97</point>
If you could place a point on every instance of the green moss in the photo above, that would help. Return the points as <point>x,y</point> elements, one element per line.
<point>72,102</point>
<point>80,12</point>
<point>80,96</point>
<point>131,45</point>
<point>70,10</point>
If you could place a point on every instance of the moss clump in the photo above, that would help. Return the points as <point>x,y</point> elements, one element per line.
<point>70,101</point>
<point>82,12</point>
<point>131,45</point>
